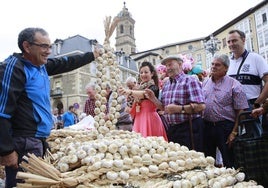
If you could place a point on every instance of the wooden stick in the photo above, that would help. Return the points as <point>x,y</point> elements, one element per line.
<point>42,168</point>
<point>49,167</point>
<point>36,168</point>
<point>42,182</point>
<point>25,175</point>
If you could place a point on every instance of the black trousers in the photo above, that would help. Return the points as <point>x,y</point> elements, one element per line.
<point>216,135</point>
<point>181,134</point>
<point>22,147</point>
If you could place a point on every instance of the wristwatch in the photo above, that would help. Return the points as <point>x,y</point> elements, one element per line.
<point>182,109</point>
<point>234,133</point>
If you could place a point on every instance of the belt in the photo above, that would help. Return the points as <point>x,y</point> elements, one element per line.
<point>178,124</point>
<point>252,101</point>
<point>185,122</point>
<point>217,123</point>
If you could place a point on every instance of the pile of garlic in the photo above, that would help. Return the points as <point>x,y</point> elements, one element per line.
<point>106,65</point>
<point>128,158</point>
<point>105,157</point>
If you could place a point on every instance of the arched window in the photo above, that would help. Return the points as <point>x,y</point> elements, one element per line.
<point>130,30</point>
<point>121,29</point>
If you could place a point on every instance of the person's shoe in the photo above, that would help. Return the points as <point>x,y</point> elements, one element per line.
<point>219,165</point>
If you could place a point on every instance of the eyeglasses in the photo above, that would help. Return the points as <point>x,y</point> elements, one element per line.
<point>43,46</point>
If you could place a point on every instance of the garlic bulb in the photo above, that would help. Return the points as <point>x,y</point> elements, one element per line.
<point>186,184</point>
<point>153,168</point>
<point>98,81</point>
<point>97,110</point>
<point>123,150</point>
<point>117,114</point>
<point>118,163</point>
<point>137,159</point>
<point>113,102</point>
<point>124,175</point>
<point>111,175</point>
<point>177,184</point>
<point>103,108</point>
<point>217,185</point>
<point>102,147</point>
<point>86,160</point>
<point>173,165</point>
<point>108,124</point>
<point>109,156</point>
<point>96,165</point>
<point>240,176</point>
<point>111,116</point>
<point>181,163</point>
<point>135,149</point>
<point>163,166</point>
<point>101,122</point>
<point>152,151</point>
<point>98,74</point>
<point>210,160</point>
<point>157,157</point>
<point>231,180</point>
<point>113,148</point>
<point>103,100</point>
<point>146,158</point>
<point>103,85</point>
<point>96,118</point>
<point>144,170</point>
<point>107,163</point>
<point>73,159</point>
<point>128,161</point>
<point>81,154</point>
<point>98,89</point>
<point>134,172</point>
<point>112,110</point>
<point>102,115</point>
<point>63,167</point>
<point>117,156</point>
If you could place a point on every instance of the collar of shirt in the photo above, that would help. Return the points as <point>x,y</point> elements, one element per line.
<point>243,55</point>
<point>219,80</point>
<point>176,78</point>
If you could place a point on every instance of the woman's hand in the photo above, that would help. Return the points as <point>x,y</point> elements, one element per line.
<point>149,94</point>
<point>123,91</point>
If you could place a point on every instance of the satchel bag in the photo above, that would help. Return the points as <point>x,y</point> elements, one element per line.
<point>251,154</point>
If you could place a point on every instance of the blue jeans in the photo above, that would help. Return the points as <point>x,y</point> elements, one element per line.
<point>22,147</point>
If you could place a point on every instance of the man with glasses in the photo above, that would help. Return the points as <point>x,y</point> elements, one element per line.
<point>25,115</point>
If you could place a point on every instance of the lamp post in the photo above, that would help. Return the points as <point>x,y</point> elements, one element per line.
<point>212,45</point>
<point>120,54</point>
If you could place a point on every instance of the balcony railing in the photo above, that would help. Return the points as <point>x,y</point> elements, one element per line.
<point>56,93</point>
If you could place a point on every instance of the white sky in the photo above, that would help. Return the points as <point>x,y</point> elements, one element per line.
<point>158,22</point>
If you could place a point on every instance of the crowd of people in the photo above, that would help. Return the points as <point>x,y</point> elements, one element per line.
<point>202,112</point>
<point>166,101</point>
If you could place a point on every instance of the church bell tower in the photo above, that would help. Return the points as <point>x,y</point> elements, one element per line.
<point>124,40</point>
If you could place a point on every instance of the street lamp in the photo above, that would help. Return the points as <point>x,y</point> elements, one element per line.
<point>119,55</point>
<point>212,45</point>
